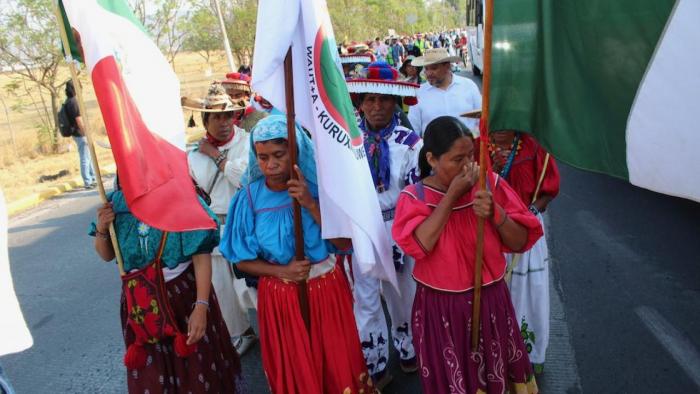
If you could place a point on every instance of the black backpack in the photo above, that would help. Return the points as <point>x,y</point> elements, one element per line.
<point>65,126</point>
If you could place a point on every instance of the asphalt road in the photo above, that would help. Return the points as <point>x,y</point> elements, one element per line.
<point>625,305</point>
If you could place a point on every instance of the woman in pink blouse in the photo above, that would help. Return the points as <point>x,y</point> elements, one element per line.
<point>436,224</point>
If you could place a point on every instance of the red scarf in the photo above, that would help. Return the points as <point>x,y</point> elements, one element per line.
<point>218,143</point>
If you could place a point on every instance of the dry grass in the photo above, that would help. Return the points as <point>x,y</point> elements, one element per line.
<point>21,165</point>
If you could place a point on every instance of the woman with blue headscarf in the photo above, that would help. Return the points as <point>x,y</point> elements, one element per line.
<point>259,238</point>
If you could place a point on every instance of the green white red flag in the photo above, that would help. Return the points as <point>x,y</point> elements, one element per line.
<point>349,204</point>
<point>139,97</point>
<point>606,86</point>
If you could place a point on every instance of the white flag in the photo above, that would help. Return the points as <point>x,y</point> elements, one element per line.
<point>349,204</point>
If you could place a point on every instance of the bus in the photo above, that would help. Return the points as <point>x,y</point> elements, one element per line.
<point>475,36</point>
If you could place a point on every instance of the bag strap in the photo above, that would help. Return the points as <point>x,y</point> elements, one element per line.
<point>161,248</point>
<point>539,182</point>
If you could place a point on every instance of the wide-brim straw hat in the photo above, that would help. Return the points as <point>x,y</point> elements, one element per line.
<point>216,100</point>
<point>406,63</point>
<point>474,114</point>
<point>364,58</point>
<point>435,56</point>
<point>237,81</point>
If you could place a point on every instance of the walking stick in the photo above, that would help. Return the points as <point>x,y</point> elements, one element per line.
<point>292,144</point>
<point>83,113</point>
<point>476,303</point>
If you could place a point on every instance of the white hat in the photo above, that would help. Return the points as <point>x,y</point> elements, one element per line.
<point>435,56</point>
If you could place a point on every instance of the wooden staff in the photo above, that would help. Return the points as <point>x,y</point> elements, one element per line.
<point>292,143</point>
<point>476,304</point>
<point>83,113</point>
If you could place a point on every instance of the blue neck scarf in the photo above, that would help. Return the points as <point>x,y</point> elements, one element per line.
<point>377,148</point>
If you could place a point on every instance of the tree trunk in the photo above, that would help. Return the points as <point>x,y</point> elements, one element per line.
<point>9,126</point>
<point>54,112</point>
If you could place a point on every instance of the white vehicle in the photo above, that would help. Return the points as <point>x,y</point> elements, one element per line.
<point>475,35</point>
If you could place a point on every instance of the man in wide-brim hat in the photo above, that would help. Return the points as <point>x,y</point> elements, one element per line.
<point>445,93</point>
<point>392,154</point>
<point>217,166</point>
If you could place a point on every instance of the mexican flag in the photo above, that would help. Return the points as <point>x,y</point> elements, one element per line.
<point>139,96</point>
<point>349,204</point>
<point>606,86</point>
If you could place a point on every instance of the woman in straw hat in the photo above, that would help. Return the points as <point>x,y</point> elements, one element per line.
<point>217,166</point>
<point>259,239</point>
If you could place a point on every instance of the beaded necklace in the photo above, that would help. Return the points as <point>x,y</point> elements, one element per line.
<point>515,147</point>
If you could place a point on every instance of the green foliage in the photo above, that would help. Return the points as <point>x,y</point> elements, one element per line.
<point>203,34</point>
<point>30,48</point>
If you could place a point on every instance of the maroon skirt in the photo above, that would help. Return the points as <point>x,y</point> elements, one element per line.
<point>442,337</point>
<point>213,368</point>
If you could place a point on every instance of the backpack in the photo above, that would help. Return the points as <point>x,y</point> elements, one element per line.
<point>65,126</point>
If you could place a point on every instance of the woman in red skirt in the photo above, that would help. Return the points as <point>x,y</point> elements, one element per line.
<point>435,222</point>
<point>259,238</point>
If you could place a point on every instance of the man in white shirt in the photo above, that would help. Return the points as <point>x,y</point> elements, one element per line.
<point>445,93</point>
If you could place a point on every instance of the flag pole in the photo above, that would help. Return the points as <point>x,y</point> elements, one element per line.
<point>292,143</point>
<point>483,148</point>
<point>83,113</point>
<point>227,45</point>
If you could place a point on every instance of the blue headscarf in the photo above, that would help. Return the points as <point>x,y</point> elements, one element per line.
<point>274,127</point>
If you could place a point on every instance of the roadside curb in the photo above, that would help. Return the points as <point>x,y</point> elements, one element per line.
<point>34,199</point>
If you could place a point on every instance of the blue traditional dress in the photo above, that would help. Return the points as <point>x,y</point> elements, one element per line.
<point>261,227</point>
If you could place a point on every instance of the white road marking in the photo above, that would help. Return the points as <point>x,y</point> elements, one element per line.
<point>675,343</point>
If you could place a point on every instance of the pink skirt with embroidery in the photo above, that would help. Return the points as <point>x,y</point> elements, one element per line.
<point>442,338</point>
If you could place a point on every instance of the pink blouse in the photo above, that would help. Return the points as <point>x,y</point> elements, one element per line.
<point>450,265</point>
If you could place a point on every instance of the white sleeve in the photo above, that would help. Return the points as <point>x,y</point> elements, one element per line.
<point>415,119</point>
<point>411,171</point>
<point>233,170</point>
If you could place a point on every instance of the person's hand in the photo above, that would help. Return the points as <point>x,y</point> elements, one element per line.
<point>298,190</point>
<point>207,148</point>
<point>105,217</point>
<point>297,271</point>
<point>197,324</point>
<point>464,181</point>
<point>483,204</point>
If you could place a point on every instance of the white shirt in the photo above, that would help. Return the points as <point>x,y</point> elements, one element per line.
<point>203,170</point>
<point>403,165</point>
<point>13,329</point>
<point>461,96</point>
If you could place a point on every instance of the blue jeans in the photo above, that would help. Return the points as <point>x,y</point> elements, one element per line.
<point>86,170</point>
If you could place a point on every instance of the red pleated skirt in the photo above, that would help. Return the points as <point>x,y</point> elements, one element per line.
<point>330,360</point>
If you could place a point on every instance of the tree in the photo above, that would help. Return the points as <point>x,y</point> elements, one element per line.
<point>202,31</point>
<point>30,48</point>
<point>166,21</point>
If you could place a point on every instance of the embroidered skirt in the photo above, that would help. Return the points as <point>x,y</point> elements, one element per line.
<point>442,338</point>
<point>213,368</point>
<point>331,360</point>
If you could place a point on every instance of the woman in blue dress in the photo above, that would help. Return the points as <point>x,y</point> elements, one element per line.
<point>260,240</point>
<point>214,365</point>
